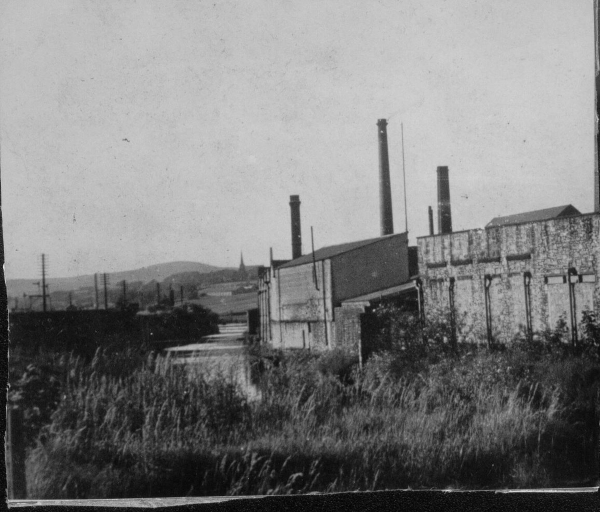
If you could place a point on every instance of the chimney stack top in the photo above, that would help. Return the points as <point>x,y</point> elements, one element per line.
<point>444,211</point>
<point>296,230</point>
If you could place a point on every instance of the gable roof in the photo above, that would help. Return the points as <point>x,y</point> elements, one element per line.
<point>385,293</point>
<point>326,253</point>
<point>537,215</point>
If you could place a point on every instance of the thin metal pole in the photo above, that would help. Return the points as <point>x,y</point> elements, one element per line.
<point>316,281</point>
<point>404,178</point>
<point>572,279</point>
<point>487,283</point>
<point>527,286</point>
<point>324,303</point>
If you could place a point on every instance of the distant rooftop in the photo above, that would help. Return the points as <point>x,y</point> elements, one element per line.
<point>334,250</point>
<point>535,216</point>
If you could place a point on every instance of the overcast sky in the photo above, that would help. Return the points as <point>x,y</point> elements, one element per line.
<point>140,132</point>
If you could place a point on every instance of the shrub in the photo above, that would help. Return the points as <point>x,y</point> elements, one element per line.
<point>37,392</point>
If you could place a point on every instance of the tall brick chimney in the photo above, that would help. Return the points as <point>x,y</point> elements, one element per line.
<point>296,231</point>
<point>444,213</point>
<point>430,211</point>
<point>385,190</point>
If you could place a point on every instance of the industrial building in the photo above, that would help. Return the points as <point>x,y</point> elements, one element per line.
<point>516,277</point>
<point>307,293</point>
<point>317,300</point>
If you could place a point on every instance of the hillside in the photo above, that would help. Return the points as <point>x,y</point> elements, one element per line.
<point>159,272</point>
<point>203,280</point>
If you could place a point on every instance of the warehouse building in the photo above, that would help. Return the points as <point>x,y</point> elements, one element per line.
<point>516,277</point>
<point>319,300</point>
<point>307,293</point>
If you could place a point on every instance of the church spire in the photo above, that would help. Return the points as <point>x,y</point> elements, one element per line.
<point>242,269</point>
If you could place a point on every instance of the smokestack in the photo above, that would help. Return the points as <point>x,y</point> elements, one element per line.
<point>431,221</point>
<point>444,214</point>
<point>296,231</point>
<point>385,191</point>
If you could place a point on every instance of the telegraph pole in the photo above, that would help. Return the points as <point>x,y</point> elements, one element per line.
<point>96,288</point>
<point>124,293</point>
<point>105,291</point>
<point>44,281</point>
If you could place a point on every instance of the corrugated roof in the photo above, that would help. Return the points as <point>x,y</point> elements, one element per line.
<point>326,253</point>
<point>535,216</point>
<point>380,294</point>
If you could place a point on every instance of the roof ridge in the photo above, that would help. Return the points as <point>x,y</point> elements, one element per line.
<point>329,250</point>
<point>533,215</point>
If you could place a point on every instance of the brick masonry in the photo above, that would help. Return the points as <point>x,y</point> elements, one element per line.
<point>546,249</point>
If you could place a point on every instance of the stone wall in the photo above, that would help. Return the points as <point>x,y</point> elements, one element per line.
<point>545,249</point>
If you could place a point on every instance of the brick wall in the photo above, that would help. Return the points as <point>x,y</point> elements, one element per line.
<point>546,249</point>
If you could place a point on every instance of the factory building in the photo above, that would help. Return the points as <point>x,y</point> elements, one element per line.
<point>307,293</point>
<point>516,277</point>
<point>319,300</point>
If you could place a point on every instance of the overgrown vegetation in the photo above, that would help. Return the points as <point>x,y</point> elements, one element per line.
<point>416,415</point>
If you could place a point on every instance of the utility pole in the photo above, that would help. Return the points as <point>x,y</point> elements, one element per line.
<point>404,178</point>
<point>105,291</point>
<point>158,294</point>
<point>124,293</point>
<point>96,288</point>
<point>181,291</point>
<point>44,281</point>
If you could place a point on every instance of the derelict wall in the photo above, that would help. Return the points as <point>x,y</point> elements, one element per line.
<point>545,249</point>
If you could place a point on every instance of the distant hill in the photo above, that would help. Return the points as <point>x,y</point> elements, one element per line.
<point>17,287</point>
<point>203,280</point>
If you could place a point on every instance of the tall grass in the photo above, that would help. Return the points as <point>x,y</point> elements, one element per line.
<point>477,420</point>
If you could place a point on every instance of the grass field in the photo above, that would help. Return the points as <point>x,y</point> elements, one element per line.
<point>478,419</point>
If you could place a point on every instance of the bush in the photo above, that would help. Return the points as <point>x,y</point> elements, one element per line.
<point>37,392</point>
<point>338,363</point>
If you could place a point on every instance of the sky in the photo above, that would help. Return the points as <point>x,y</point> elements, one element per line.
<point>139,132</point>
